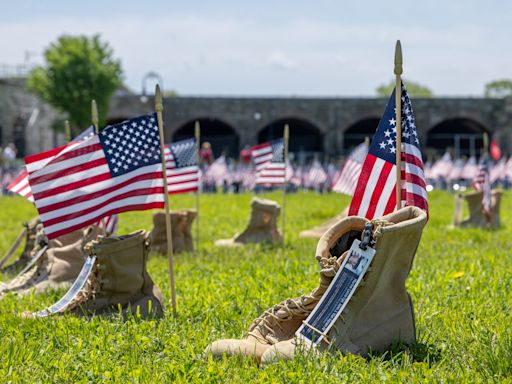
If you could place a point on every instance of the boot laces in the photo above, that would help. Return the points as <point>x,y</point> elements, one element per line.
<point>273,318</point>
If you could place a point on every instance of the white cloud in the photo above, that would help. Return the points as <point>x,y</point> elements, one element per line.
<point>282,61</point>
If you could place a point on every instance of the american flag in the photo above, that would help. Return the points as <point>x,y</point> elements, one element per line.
<point>482,183</point>
<point>441,168</point>
<point>349,175</point>
<point>268,159</point>
<point>375,192</point>
<point>20,183</point>
<point>109,224</point>
<point>316,176</point>
<point>116,171</point>
<point>470,169</point>
<point>182,168</point>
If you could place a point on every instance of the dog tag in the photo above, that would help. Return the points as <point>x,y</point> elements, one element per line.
<point>338,294</point>
<point>78,285</point>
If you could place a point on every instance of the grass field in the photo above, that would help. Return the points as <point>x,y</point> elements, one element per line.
<point>461,286</point>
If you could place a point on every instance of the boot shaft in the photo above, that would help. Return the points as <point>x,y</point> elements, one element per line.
<point>179,225</point>
<point>30,237</point>
<point>66,253</point>
<point>262,225</point>
<point>380,311</point>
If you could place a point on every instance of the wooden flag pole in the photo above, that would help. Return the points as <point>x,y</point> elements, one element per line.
<point>96,124</point>
<point>159,109</point>
<point>94,116</point>
<point>67,131</point>
<point>197,132</point>
<point>486,143</point>
<point>398,105</point>
<point>286,137</point>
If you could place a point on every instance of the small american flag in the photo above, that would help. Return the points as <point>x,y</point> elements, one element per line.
<point>109,224</point>
<point>116,171</point>
<point>316,176</point>
<point>20,184</point>
<point>182,168</point>
<point>375,193</point>
<point>482,183</point>
<point>349,175</point>
<point>268,159</point>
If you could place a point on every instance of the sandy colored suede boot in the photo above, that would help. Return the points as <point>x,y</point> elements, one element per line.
<point>380,312</point>
<point>281,321</point>
<point>119,279</point>
<point>262,227</point>
<point>181,222</point>
<point>187,231</point>
<point>59,265</point>
<point>30,242</point>
<point>476,218</point>
<point>319,230</point>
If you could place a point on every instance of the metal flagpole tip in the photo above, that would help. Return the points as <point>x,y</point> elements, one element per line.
<point>158,99</point>
<point>398,58</point>
<point>94,113</point>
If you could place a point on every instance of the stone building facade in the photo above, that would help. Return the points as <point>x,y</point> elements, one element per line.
<point>323,126</point>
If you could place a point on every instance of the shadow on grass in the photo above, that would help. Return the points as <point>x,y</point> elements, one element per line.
<point>418,352</point>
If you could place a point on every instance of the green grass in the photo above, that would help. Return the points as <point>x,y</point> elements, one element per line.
<point>460,283</point>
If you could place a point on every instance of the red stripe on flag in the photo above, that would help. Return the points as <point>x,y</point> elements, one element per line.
<point>366,171</point>
<point>378,188</point>
<point>126,208</point>
<point>68,171</point>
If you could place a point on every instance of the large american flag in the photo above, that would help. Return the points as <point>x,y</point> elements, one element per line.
<point>349,175</point>
<point>116,171</point>
<point>182,168</point>
<point>20,184</point>
<point>482,182</point>
<point>375,194</point>
<point>269,161</point>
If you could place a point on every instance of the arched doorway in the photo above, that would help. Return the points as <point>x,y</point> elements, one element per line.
<point>464,136</point>
<point>219,134</point>
<point>357,132</point>
<point>305,137</point>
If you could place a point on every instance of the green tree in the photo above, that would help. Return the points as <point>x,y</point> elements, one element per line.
<point>77,70</point>
<point>498,88</point>
<point>413,89</point>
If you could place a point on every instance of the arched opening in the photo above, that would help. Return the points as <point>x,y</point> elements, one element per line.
<point>18,136</point>
<point>357,132</point>
<point>305,137</point>
<point>463,136</point>
<point>220,135</point>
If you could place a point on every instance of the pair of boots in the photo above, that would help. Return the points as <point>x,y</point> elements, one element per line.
<point>262,227</point>
<point>29,233</point>
<point>181,231</point>
<point>118,280</point>
<point>477,218</point>
<point>379,313</point>
<point>57,267</point>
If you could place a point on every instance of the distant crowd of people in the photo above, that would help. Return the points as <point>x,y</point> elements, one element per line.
<point>9,165</point>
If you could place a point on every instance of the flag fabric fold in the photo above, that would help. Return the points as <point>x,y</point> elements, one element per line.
<point>375,194</point>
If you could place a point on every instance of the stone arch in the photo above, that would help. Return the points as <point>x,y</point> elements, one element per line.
<point>357,132</point>
<point>305,137</point>
<point>462,135</point>
<point>221,135</point>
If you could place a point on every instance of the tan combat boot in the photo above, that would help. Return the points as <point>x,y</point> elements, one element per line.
<point>380,312</point>
<point>58,267</point>
<point>281,321</point>
<point>179,223</point>
<point>319,230</point>
<point>262,226</point>
<point>30,232</point>
<point>477,218</point>
<point>189,239</point>
<point>119,279</point>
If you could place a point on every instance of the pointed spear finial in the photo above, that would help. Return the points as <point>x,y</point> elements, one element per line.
<point>159,107</point>
<point>67,130</point>
<point>94,114</point>
<point>398,58</point>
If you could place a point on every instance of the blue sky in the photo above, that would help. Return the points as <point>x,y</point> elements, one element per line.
<point>303,48</point>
